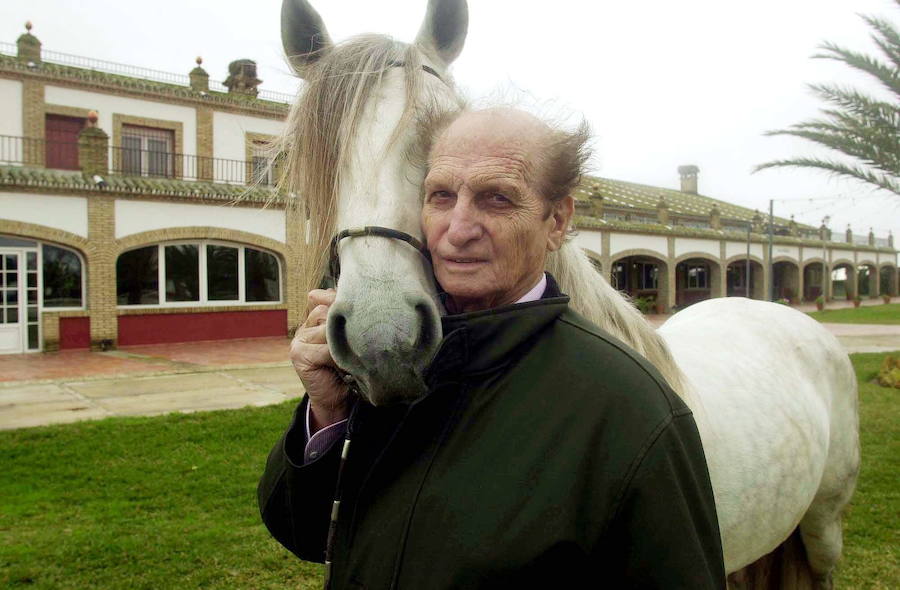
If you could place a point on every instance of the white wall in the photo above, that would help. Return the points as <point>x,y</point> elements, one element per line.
<point>620,242</point>
<point>740,248</point>
<point>810,252</point>
<point>842,254</point>
<point>106,105</point>
<point>685,245</point>
<point>590,240</point>
<point>65,213</point>
<point>792,252</point>
<point>229,133</point>
<point>11,107</point>
<point>134,217</point>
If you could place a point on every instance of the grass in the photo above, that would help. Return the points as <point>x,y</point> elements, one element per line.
<point>169,502</point>
<point>872,314</point>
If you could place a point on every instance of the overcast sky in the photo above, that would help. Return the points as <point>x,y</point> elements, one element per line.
<point>661,82</point>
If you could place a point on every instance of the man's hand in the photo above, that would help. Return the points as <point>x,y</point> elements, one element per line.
<point>312,360</point>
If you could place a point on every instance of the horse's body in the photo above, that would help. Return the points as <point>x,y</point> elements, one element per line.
<point>773,394</point>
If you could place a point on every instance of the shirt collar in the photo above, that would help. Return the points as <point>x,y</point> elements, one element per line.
<point>536,292</point>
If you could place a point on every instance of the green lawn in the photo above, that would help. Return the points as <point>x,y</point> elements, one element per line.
<point>873,314</point>
<point>169,502</point>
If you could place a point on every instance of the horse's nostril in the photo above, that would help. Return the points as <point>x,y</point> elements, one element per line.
<point>427,335</point>
<point>337,336</point>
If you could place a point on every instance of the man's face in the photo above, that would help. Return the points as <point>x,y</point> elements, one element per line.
<point>487,227</point>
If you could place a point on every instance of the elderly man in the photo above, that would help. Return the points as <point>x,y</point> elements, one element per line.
<point>546,453</point>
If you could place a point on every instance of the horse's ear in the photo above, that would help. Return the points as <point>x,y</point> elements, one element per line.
<point>443,33</point>
<point>303,34</point>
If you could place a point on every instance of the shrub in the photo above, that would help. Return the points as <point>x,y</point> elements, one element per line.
<point>645,304</point>
<point>889,374</point>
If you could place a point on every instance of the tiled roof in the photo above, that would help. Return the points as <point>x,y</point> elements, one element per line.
<point>630,195</point>
<point>139,185</point>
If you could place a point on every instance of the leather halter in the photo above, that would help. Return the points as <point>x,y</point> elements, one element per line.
<point>334,260</point>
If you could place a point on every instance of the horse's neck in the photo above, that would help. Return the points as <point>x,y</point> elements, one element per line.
<point>594,298</point>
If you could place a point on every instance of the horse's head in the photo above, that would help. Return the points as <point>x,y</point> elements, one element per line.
<point>357,140</point>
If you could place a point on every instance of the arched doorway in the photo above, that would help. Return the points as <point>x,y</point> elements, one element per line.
<point>642,277</point>
<point>814,274</point>
<point>737,283</point>
<point>786,280</point>
<point>696,279</point>
<point>843,280</point>
<point>866,280</point>
<point>888,284</point>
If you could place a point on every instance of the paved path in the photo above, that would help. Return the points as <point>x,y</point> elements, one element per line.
<point>40,389</point>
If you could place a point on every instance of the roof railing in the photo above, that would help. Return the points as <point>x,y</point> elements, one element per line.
<point>111,67</point>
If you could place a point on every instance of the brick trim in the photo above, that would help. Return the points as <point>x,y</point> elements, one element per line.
<point>157,236</point>
<point>45,234</point>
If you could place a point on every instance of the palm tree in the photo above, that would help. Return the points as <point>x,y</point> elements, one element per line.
<point>859,126</point>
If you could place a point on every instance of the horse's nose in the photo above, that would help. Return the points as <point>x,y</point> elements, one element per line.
<point>386,348</point>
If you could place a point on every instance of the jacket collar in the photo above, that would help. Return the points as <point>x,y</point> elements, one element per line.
<point>481,340</point>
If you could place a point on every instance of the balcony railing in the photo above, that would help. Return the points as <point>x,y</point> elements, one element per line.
<point>27,151</point>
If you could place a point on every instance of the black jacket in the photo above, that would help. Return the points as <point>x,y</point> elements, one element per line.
<point>545,453</point>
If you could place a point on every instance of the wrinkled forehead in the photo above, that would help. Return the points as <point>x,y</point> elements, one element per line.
<point>495,138</point>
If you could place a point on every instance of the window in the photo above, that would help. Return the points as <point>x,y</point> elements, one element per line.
<point>148,151</point>
<point>197,272</point>
<point>263,163</point>
<point>222,273</point>
<point>62,277</point>
<point>137,277</point>
<point>260,276</point>
<point>619,276</point>
<point>697,276</point>
<point>182,273</point>
<point>648,275</point>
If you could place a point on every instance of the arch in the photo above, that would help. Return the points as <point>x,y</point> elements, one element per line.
<point>638,252</point>
<point>844,287</point>
<point>888,280</point>
<point>743,257</point>
<point>45,234</point>
<point>866,278</point>
<point>703,255</point>
<point>199,233</point>
<point>736,281</point>
<point>642,274</point>
<point>692,284</point>
<point>842,261</point>
<point>815,278</point>
<point>786,278</point>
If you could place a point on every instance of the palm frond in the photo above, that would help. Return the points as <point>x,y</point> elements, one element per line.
<point>862,128</point>
<point>839,169</point>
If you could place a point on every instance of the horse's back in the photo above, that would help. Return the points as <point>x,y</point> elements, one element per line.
<point>776,408</point>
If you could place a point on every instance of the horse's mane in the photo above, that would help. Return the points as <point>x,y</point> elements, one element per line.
<point>317,138</point>
<point>593,297</point>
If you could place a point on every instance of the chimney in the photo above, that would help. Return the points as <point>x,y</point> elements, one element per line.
<point>757,223</point>
<point>688,175</point>
<point>242,77</point>
<point>871,237</point>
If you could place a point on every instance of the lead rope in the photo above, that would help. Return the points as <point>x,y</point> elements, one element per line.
<point>338,489</point>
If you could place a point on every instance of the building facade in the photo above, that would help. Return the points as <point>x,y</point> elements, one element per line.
<point>136,207</point>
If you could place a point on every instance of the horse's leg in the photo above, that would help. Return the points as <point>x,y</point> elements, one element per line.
<point>823,539</point>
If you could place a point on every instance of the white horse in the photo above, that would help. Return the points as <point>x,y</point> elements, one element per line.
<point>773,393</point>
